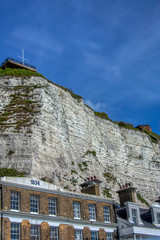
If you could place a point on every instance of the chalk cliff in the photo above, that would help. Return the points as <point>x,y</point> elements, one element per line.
<point>48,133</point>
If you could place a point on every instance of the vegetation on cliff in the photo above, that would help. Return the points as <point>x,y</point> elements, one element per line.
<point>19,72</point>
<point>11,172</point>
<point>26,106</point>
<point>19,112</point>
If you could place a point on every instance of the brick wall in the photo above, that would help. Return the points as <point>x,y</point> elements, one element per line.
<point>64,204</point>
<point>64,209</point>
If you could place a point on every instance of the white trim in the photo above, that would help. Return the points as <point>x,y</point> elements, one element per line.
<point>55,223</point>
<point>139,230</point>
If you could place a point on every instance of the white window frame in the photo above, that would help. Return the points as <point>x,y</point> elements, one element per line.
<point>158,218</point>
<point>15,231</point>
<point>109,236</point>
<point>129,207</point>
<point>107,214</point>
<point>15,201</point>
<point>52,205</point>
<point>78,234</point>
<point>134,215</point>
<point>53,233</point>
<point>92,212</point>
<point>94,235</point>
<point>76,210</point>
<point>34,203</point>
<point>35,232</point>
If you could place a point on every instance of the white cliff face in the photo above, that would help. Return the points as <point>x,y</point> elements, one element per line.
<point>62,139</point>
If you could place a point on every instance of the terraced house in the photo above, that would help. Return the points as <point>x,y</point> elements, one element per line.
<point>36,209</point>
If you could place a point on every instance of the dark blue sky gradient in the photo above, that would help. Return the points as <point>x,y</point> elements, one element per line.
<point>106,51</point>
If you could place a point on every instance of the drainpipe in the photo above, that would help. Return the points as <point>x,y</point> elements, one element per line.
<point>1,211</point>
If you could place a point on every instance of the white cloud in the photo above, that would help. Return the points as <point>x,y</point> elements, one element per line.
<point>95,106</point>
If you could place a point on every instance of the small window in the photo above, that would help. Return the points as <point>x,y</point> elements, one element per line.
<point>52,206</point>
<point>76,210</point>
<point>158,218</point>
<point>134,215</point>
<point>78,235</point>
<point>92,212</point>
<point>15,231</point>
<point>34,203</point>
<point>35,232</point>
<point>94,235</point>
<point>53,233</point>
<point>109,236</point>
<point>15,201</point>
<point>106,211</point>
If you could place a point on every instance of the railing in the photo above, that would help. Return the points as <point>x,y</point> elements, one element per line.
<point>17,61</point>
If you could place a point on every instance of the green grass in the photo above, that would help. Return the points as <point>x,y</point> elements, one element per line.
<point>19,72</point>
<point>11,172</point>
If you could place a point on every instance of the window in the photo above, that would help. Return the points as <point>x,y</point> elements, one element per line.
<point>15,200</point>
<point>158,218</point>
<point>138,237</point>
<point>92,212</point>
<point>78,235</point>
<point>106,211</point>
<point>109,236</point>
<point>15,231</point>
<point>53,233</point>
<point>35,232</point>
<point>52,206</point>
<point>34,204</point>
<point>76,210</point>
<point>134,215</point>
<point>94,235</point>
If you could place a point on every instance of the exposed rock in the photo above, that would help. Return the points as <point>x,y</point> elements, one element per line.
<point>63,140</point>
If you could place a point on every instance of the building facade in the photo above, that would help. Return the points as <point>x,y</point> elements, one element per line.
<point>135,223</point>
<point>35,209</point>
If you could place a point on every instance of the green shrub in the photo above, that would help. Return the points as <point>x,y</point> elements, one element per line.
<point>93,152</point>
<point>11,172</point>
<point>124,124</point>
<point>102,115</point>
<point>73,172</point>
<point>109,177</point>
<point>142,200</point>
<point>106,192</point>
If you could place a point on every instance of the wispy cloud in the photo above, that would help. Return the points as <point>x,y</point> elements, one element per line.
<point>37,38</point>
<point>95,106</point>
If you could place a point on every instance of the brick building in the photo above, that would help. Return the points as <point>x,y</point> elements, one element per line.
<point>35,209</point>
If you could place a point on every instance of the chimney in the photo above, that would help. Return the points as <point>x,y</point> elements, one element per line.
<point>126,194</point>
<point>91,186</point>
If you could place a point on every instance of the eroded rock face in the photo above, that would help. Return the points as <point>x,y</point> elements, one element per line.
<point>57,136</point>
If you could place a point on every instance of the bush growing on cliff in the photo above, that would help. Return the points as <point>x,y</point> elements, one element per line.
<point>102,115</point>
<point>11,172</point>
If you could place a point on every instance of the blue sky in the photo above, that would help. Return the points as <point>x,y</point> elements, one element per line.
<point>106,51</point>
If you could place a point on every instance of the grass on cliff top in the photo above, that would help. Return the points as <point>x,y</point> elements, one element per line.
<point>19,72</point>
<point>11,172</point>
